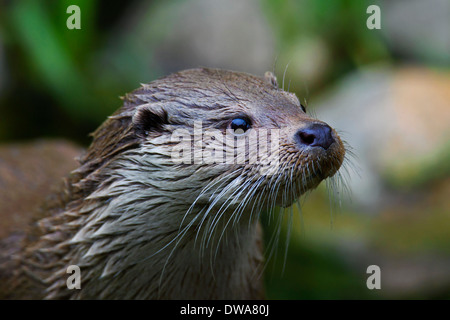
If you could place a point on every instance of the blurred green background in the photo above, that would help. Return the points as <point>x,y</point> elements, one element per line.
<point>386,91</point>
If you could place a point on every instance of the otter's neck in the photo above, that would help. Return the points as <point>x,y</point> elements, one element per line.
<point>131,239</point>
<point>177,264</point>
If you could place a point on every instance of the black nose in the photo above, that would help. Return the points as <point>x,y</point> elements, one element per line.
<point>315,135</point>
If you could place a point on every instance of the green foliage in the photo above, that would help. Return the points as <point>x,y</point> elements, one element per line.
<point>341,25</point>
<point>60,82</point>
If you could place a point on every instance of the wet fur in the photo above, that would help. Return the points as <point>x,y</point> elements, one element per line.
<point>141,227</point>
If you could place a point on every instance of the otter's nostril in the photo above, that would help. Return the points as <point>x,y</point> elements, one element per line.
<point>307,138</point>
<point>316,135</point>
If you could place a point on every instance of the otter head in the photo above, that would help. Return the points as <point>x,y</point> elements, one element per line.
<point>232,139</point>
<point>204,147</point>
<point>190,156</point>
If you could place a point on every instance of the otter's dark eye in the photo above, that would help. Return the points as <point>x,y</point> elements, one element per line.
<point>303,108</point>
<point>240,125</point>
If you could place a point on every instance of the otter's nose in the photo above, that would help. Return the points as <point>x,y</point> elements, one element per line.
<point>315,135</point>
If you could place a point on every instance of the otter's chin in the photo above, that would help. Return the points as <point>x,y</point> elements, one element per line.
<point>289,196</point>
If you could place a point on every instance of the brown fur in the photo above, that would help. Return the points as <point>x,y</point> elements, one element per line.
<point>75,225</point>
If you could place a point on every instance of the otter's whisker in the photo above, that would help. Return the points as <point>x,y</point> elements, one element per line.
<point>300,214</point>
<point>222,210</point>
<point>207,188</point>
<point>246,200</point>
<point>274,243</point>
<point>211,184</point>
<point>284,74</point>
<point>288,236</point>
<point>236,215</point>
<point>212,222</point>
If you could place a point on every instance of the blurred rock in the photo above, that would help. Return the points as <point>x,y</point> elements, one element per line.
<point>29,172</point>
<point>397,123</point>
<point>418,30</point>
<point>309,62</point>
<point>174,35</point>
<point>403,276</point>
<point>228,34</point>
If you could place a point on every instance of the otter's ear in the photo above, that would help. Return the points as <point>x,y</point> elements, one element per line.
<point>149,118</point>
<point>271,79</point>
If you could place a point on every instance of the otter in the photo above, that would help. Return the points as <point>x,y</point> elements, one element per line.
<point>140,224</point>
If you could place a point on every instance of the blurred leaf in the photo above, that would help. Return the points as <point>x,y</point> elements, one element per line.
<point>50,57</point>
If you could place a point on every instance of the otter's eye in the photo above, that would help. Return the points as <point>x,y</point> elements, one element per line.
<point>240,126</point>
<point>303,108</point>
